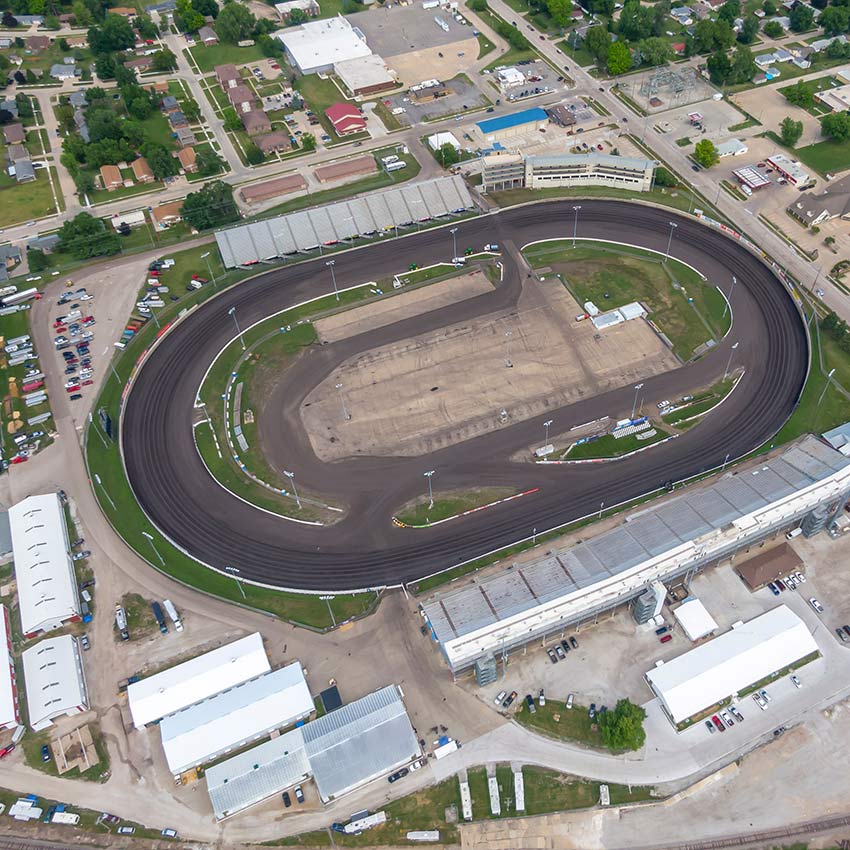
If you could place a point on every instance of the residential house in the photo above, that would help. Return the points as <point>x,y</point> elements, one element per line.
<point>44,243</point>
<point>63,72</point>
<point>37,43</point>
<point>77,42</point>
<point>241,98</point>
<point>29,20</point>
<point>17,152</point>
<point>177,119</point>
<point>345,118</point>
<point>255,122</point>
<point>82,127</point>
<point>273,142</point>
<point>170,103</point>
<point>140,64</point>
<point>110,177</point>
<point>207,36</point>
<point>228,76</point>
<point>123,11</point>
<point>10,106</point>
<point>166,215</point>
<point>24,172</point>
<point>78,100</point>
<point>185,136</point>
<point>141,170</point>
<point>833,202</point>
<point>10,255</point>
<point>14,133</point>
<point>187,158</point>
<point>5,43</point>
<point>308,7</point>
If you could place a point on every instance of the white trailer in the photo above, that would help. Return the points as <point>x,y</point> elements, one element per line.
<point>172,613</point>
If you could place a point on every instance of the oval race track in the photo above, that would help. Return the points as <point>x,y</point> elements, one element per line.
<point>364,549</point>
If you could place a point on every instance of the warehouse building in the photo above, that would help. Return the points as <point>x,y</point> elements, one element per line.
<point>10,709</point>
<point>731,147</point>
<point>258,192</point>
<point>712,673</point>
<point>44,570</point>
<point>376,212</point>
<point>193,681</point>
<point>516,124</point>
<point>315,47</point>
<point>675,538</point>
<point>235,717</point>
<point>365,75</point>
<point>342,751</point>
<point>54,680</point>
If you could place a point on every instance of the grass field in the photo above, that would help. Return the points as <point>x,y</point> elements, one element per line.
<point>556,721</point>
<point>825,157</point>
<point>447,505</point>
<point>701,402</point>
<point>609,447</point>
<point>32,743</point>
<point>611,275</point>
<point>207,58</point>
<point>580,53</point>
<point>23,201</point>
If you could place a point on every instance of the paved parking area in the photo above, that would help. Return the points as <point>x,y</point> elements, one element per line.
<point>718,117</point>
<point>540,80</point>
<point>464,95</point>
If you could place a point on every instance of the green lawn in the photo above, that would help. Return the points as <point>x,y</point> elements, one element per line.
<point>611,276</point>
<point>23,201</point>
<point>580,53</point>
<point>157,129</point>
<point>449,504</point>
<point>571,724</point>
<point>818,84</point>
<point>207,58</point>
<point>511,57</point>
<point>701,402</point>
<point>33,742</point>
<point>141,622</point>
<point>319,94</point>
<point>825,157</point>
<point>390,121</point>
<point>610,447</point>
<point>485,46</point>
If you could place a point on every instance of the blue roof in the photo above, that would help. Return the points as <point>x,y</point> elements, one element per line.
<point>515,119</point>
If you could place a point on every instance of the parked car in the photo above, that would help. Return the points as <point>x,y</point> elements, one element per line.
<point>500,697</point>
<point>841,635</point>
<point>759,701</point>
<point>565,646</point>
<point>541,698</point>
<point>393,777</point>
<point>764,695</point>
<point>559,651</point>
<point>727,719</point>
<point>718,723</point>
<point>6,750</point>
<point>529,701</point>
<point>507,703</point>
<point>796,682</point>
<point>573,643</point>
<point>552,656</point>
<point>45,752</point>
<point>591,712</point>
<point>569,703</point>
<point>736,714</point>
<point>816,605</point>
<point>663,630</point>
<point>287,800</point>
<point>780,584</point>
<point>847,630</point>
<point>168,832</point>
<point>773,589</point>
<point>84,642</point>
<point>666,638</point>
<point>126,830</point>
<point>709,726</point>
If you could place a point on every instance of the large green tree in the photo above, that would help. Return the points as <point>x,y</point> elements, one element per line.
<point>235,22</point>
<point>85,236</point>
<point>654,51</point>
<point>598,41</point>
<point>114,34</point>
<point>212,206</point>
<point>559,11</point>
<point>802,17</point>
<point>622,728</point>
<point>790,131</point>
<point>619,58</point>
<point>705,153</point>
<point>837,126</point>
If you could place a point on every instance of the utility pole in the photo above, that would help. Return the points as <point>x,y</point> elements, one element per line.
<point>429,475</point>
<point>453,232</point>
<point>729,364</point>
<point>546,425</point>
<point>209,268</point>
<point>673,226</point>
<point>729,297</point>
<point>330,264</point>
<point>638,388</point>
<point>345,414</point>
<point>291,477</point>
<point>575,224</point>
<point>232,313</point>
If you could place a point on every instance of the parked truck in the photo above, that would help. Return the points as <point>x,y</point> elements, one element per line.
<point>121,622</point>
<point>160,619</point>
<point>172,613</point>
<point>19,297</point>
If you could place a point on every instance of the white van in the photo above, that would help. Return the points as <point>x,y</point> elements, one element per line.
<point>795,532</point>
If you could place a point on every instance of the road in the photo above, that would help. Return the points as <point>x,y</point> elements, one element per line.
<point>364,549</point>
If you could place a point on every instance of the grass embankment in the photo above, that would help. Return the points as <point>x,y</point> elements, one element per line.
<point>701,403</point>
<point>688,310</point>
<point>119,505</point>
<point>609,447</point>
<point>556,721</point>
<point>421,512</point>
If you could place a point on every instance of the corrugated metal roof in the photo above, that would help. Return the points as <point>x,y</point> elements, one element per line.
<point>53,674</point>
<point>515,119</point>
<point>9,710</point>
<point>305,230</point>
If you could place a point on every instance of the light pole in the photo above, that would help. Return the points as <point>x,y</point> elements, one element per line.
<point>673,226</point>
<point>453,232</point>
<point>235,572</point>
<point>533,536</point>
<point>823,393</point>
<point>508,363</point>
<point>291,477</point>
<point>155,317</point>
<point>105,493</point>
<point>601,506</point>
<point>327,600</point>
<point>725,461</point>
<point>209,268</point>
<point>575,224</point>
<point>729,364</point>
<point>729,297</point>
<point>546,425</point>
<point>345,414</point>
<point>428,475</point>
<point>638,388</point>
<point>330,264</point>
<point>153,546</point>
<point>232,313</point>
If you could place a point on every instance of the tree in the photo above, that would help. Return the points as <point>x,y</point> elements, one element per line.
<point>790,131</point>
<point>704,36</point>
<point>212,206</point>
<point>749,30</point>
<point>298,17</point>
<point>730,10</point>
<point>206,7</point>
<point>769,7</point>
<point>9,20</point>
<point>800,93</point>
<point>146,27</point>
<point>478,5</point>
<point>619,58</point>
<point>308,142</point>
<point>664,178</point>
<point>36,261</point>
<point>235,22</point>
<point>719,68</point>
<point>187,18</point>
<point>559,11</point>
<point>164,60</point>
<point>622,728</point>
<point>65,116</point>
<point>209,162</point>
<point>705,153</point>
<point>654,51</point>
<point>82,16</point>
<point>85,236</point>
<point>802,17</point>
<point>743,65</point>
<point>773,29</point>
<point>635,21</point>
<point>598,41</point>
<point>24,105</point>
<point>231,119</point>
<point>162,163</point>
<point>836,126</point>
<point>253,155</point>
<point>116,33</point>
<point>270,46</point>
<point>602,7</point>
<point>835,20</point>
<point>448,155</point>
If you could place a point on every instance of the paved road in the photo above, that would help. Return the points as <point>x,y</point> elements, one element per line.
<point>364,549</point>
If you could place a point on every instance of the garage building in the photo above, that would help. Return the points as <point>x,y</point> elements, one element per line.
<point>54,679</point>
<point>229,720</point>
<point>365,75</point>
<point>193,681</point>
<point>694,619</point>
<point>709,674</point>
<point>342,751</point>
<point>315,47</point>
<point>44,571</point>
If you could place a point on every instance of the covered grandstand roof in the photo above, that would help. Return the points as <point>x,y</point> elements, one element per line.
<point>469,614</point>
<point>193,681</point>
<point>228,720</point>
<point>305,230</point>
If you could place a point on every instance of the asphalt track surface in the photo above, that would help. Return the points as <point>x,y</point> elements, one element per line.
<point>364,549</point>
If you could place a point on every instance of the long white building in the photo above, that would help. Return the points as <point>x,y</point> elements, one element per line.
<point>10,709</point>
<point>810,481</point>
<point>229,720</point>
<point>725,666</point>
<point>193,681</point>
<point>55,681</point>
<point>44,571</point>
<point>317,46</point>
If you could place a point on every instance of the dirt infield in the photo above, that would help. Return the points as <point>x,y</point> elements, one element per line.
<point>439,389</point>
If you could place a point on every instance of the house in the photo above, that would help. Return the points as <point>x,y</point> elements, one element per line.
<point>170,103</point>
<point>678,48</point>
<point>77,99</point>
<point>24,172</point>
<point>185,136</point>
<point>345,118</point>
<point>177,119</point>
<point>10,106</point>
<point>17,152</point>
<point>158,88</point>
<point>814,209</point>
<point>227,76</point>
<point>187,159</point>
<point>141,170</point>
<point>45,244</point>
<point>273,142</point>
<point>5,43</point>
<point>37,43</point>
<point>140,64</point>
<point>14,134</point>
<point>255,122</point>
<point>110,177</point>
<point>123,11</point>
<point>166,215</point>
<point>207,36</point>
<point>63,72</point>
<point>241,98</point>
<point>77,42</point>
<point>82,127</point>
<point>308,7</point>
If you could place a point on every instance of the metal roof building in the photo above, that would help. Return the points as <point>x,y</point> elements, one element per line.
<point>193,681</point>
<point>694,619</point>
<point>672,538</point>
<point>229,720</point>
<point>54,678</point>
<point>341,750</point>
<point>318,45</point>
<point>507,125</point>
<point>10,711</point>
<point>47,585</point>
<point>721,668</point>
<point>306,230</point>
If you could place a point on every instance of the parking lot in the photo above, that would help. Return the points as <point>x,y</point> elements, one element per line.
<point>540,80</point>
<point>464,95</point>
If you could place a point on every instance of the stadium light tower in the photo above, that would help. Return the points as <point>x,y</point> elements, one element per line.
<point>429,475</point>
<point>330,264</point>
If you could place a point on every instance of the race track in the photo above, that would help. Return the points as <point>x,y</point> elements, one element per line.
<point>365,550</point>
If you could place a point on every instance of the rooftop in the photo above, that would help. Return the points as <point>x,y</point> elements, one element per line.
<point>515,119</point>
<point>54,679</point>
<point>321,43</point>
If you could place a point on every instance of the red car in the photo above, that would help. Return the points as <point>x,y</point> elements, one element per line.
<point>60,329</point>
<point>88,318</point>
<point>666,638</point>
<point>72,389</point>
<point>155,273</point>
<point>718,723</point>
<point>19,459</point>
<point>87,383</point>
<point>6,750</point>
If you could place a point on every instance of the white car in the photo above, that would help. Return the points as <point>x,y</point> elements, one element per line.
<point>797,683</point>
<point>569,702</point>
<point>800,577</point>
<point>85,297</point>
<point>764,695</point>
<point>816,605</point>
<point>498,700</point>
<point>662,404</point>
<point>760,702</point>
<point>727,719</point>
<point>542,698</point>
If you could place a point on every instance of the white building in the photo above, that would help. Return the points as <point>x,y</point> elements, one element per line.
<point>791,170</point>
<point>317,46</point>
<point>195,680</point>
<point>54,679</point>
<point>47,585</point>
<point>10,711</point>
<point>694,619</point>
<point>731,147</point>
<point>721,668</point>
<point>229,720</point>
<point>510,78</point>
<point>437,140</point>
<point>308,7</point>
